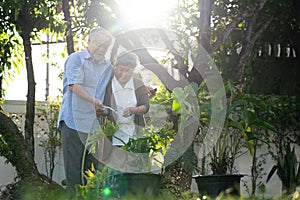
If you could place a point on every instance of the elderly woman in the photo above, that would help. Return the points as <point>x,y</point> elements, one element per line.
<point>128,97</point>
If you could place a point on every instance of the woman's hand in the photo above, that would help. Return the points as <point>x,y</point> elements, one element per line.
<point>134,111</point>
<point>128,112</point>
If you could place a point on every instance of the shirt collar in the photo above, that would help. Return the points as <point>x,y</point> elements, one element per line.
<point>86,54</point>
<point>117,86</point>
<point>129,84</point>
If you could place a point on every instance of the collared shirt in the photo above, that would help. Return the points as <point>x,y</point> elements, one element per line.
<point>124,98</point>
<point>80,68</point>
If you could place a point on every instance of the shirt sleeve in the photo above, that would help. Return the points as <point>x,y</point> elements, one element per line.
<point>103,82</point>
<point>141,94</point>
<point>74,70</point>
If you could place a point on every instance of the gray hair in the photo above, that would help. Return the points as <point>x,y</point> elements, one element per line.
<point>127,59</point>
<point>99,30</point>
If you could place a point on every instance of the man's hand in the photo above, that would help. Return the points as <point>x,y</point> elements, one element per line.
<point>99,108</point>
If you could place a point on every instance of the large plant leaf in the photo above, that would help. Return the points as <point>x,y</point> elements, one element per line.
<point>256,101</point>
<point>271,173</point>
<point>232,107</point>
<point>266,125</point>
<point>249,117</point>
<point>298,175</point>
<point>176,107</point>
<point>235,124</point>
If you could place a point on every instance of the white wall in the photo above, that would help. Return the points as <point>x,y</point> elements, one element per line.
<point>273,187</point>
<point>7,172</point>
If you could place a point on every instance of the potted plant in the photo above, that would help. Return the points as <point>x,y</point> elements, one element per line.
<point>147,156</point>
<point>237,137</point>
<point>148,152</point>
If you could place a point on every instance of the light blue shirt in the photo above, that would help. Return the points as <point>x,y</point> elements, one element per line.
<point>77,113</point>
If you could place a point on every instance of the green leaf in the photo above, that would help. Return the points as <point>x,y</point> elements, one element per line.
<point>178,94</point>
<point>250,146</point>
<point>298,175</point>
<point>176,107</point>
<point>249,117</point>
<point>267,126</point>
<point>231,108</point>
<point>256,101</point>
<point>235,124</point>
<point>274,168</point>
<point>192,88</point>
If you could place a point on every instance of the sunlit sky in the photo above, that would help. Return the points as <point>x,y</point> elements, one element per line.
<point>137,14</point>
<point>141,13</point>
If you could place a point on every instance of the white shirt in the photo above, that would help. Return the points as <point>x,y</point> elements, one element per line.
<point>124,98</point>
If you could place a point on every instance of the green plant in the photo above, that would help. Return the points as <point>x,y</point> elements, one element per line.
<point>52,140</point>
<point>106,129</point>
<point>100,183</point>
<point>285,119</point>
<point>96,187</point>
<point>288,169</point>
<point>183,161</point>
<point>183,110</point>
<point>149,149</point>
<point>239,131</point>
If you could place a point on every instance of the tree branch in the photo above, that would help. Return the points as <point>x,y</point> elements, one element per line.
<point>179,59</point>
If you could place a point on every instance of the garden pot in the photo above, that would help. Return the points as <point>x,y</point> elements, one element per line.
<point>137,184</point>
<point>213,185</point>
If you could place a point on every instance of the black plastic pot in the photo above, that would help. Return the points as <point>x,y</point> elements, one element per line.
<point>137,184</point>
<point>213,185</point>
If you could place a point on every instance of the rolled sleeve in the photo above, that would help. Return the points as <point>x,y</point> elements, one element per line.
<point>142,94</point>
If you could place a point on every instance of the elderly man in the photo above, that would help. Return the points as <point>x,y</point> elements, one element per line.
<point>86,74</point>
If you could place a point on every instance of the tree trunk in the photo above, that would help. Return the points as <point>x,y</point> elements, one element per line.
<point>69,35</point>
<point>254,171</point>
<point>1,80</point>
<point>16,150</point>
<point>205,8</point>
<point>26,27</point>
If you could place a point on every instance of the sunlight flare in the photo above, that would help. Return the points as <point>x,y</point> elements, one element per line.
<point>145,13</point>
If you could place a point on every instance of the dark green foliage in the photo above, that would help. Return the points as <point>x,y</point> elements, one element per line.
<point>239,132</point>
<point>288,169</point>
<point>279,76</point>
<point>285,117</point>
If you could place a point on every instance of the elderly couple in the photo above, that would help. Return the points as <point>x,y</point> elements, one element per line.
<point>91,88</point>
